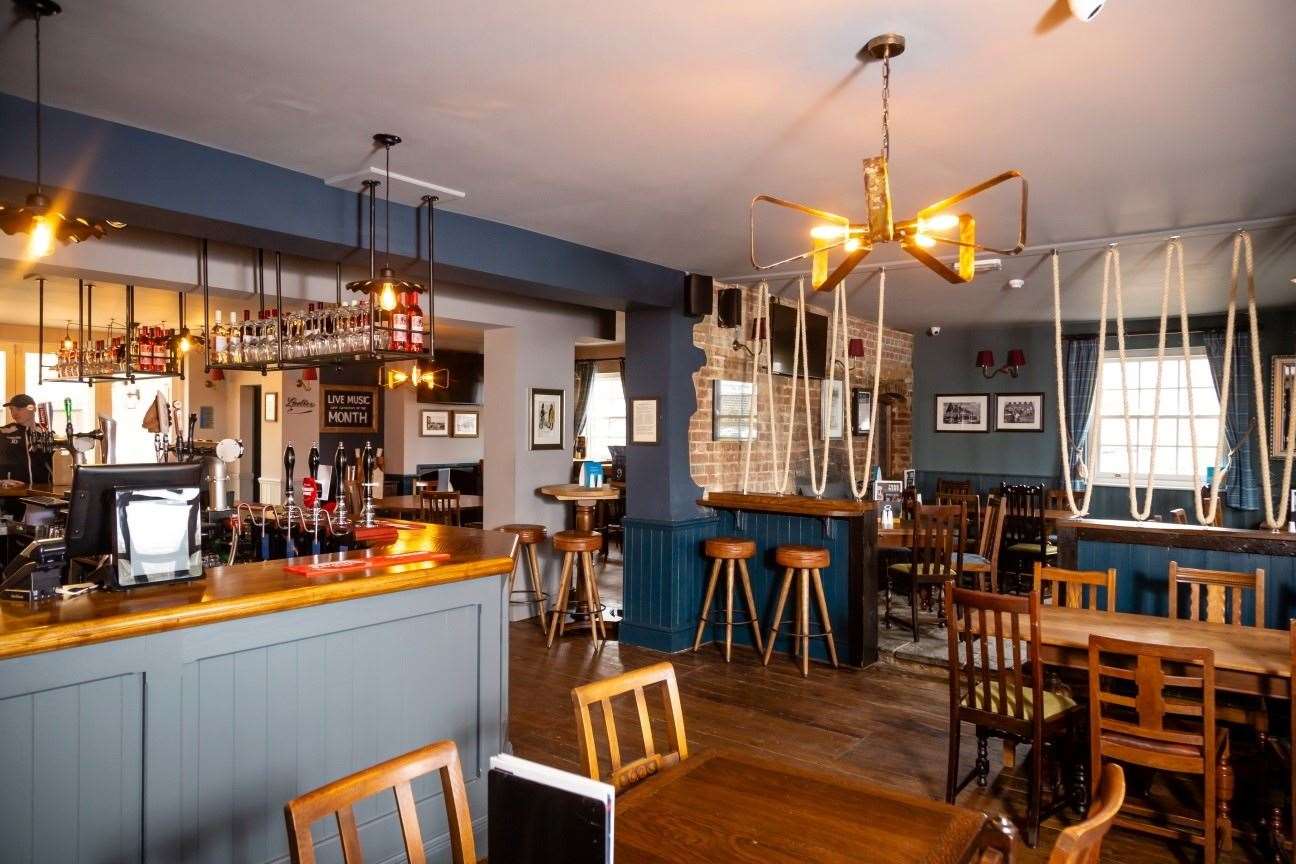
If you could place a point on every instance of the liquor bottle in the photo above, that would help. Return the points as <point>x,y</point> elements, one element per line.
<point>248,340</point>
<point>171,357</point>
<point>400,325</point>
<point>235,335</point>
<point>220,340</point>
<point>415,313</point>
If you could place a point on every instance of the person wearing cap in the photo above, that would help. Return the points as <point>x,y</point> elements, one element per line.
<point>21,460</point>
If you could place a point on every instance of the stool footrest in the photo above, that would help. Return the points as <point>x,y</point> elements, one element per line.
<point>822,634</point>
<point>719,621</point>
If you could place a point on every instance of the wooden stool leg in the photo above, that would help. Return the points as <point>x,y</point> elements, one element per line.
<point>513,573</point>
<point>778,614</point>
<point>706,603</point>
<point>803,614</point>
<point>751,606</point>
<point>587,582</point>
<point>556,623</point>
<point>823,613</point>
<point>537,587</point>
<point>729,586</point>
<point>598,598</point>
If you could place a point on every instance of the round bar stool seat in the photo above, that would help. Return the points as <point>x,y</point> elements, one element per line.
<point>529,536</point>
<point>729,548</point>
<point>578,579</point>
<point>526,534</point>
<point>801,557</point>
<point>578,541</point>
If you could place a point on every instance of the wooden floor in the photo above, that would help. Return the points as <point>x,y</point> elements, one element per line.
<point>887,723</point>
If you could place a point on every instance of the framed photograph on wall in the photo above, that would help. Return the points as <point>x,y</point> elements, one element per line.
<point>861,410</point>
<point>270,408</point>
<point>962,412</point>
<point>643,421</point>
<point>465,424</point>
<point>730,410</point>
<point>1283,388</point>
<point>546,419</point>
<point>832,408</point>
<point>888,492</point>
<point>1019,412</point>
<point>434,423</point>
<point>910,478</point>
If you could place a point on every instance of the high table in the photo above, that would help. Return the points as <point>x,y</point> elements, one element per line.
<point>584,497</point>
<point>723,806</point>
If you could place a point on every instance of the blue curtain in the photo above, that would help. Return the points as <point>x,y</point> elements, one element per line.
<point>1241,490</point>
<point>1079,379</point>
<point>584,381</point>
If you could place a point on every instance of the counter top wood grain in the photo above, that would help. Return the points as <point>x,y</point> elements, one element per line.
<point>244,590</point>
<point>793,505</point>
<point>1172,535</point>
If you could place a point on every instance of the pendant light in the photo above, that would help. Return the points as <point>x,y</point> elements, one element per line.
<point>385,288</point>
<point>37,218</point>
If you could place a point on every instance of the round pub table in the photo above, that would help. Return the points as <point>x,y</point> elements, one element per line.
<point>585,500</point>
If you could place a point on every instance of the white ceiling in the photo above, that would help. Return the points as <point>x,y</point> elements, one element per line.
<point>645,128</point>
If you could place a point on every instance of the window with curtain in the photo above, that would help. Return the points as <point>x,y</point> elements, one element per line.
<point>605,416</point>
<point>83,414</point>
<point>1171,432</point>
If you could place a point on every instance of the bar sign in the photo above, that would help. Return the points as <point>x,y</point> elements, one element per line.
<point>348,408</point>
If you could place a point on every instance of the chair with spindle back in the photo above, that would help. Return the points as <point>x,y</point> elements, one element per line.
<point>439,508</point>
<point>624,775</point>
<point>1026,529</point>
<point>1076,588</point>
<point>1082,843</point>
<point>972,505</point>
<point>937,555</point>
<point>395,774</point>
<point>1056,499</point>
<point>1001,693</point>
<point>1154,706</point>
<point>983,564</point>
<point>961,487</point>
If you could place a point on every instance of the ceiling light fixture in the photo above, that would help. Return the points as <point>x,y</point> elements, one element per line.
<point>916,236</point>
<point>385,287</point>
<point>37,218</point>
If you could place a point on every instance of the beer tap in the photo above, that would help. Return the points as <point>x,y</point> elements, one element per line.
<point>189,442</point>
<point>341,519</point>
<point>290,502</point>
<point>312,465</point>
<point>368,462</point>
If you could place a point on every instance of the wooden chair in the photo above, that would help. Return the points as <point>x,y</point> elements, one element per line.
<point>1078,588</point>
<point>1179,516</point>
<point>439,508</point>
<point>1056,499</point>
<point>395,774</point>
<point>983,564</point>
<point>1026,529</point>
<point>972,505</point>
<point>1154,706</point>
<point>624,775</point>
<point>937,555</point>
<point>1000,692</point>
<point>944,486</point>
<point>1082,843</point>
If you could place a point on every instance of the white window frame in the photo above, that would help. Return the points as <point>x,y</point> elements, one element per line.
<point>1101,478</point>
<point>588,437</point>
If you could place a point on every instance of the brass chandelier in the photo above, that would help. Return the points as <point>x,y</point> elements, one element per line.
<point>845,244</point>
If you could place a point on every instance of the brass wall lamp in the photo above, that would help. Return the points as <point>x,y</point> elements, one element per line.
<point>917,236</point>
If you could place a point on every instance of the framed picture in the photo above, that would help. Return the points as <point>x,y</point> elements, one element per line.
<point>730,409</point>
<point>1019,412</point>
<point>831,408</point>
<point>643,421</point>
<point>546,419</point>
<point>910,478</point>
<point>1283,388</point>
<point>861,410</point>
<point>434,423</point>
<point>270,408</point>
<point>962,412</point>
<point>465,424</point>
<point>888,492</point>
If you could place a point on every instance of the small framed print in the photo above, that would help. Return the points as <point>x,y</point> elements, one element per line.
<point>888,492</point>
<point>643,421</point>
<point>270,408</point>
<point>910,478</point>
<point>831,408</point>
<point>861,411</point>
<point>434,423</point>
<point>1283,390</point>
<point>1019,412</point>
<point>731,410</point>
<point>465,424</point>
<point>962,412</point>
<point>546,419</point>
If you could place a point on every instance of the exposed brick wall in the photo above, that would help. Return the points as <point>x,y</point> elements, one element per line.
<point>718,465</point>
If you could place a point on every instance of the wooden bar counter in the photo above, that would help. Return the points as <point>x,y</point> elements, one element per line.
<point>171,723</point>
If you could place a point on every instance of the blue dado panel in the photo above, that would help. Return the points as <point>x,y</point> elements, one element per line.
<point>184,746</point>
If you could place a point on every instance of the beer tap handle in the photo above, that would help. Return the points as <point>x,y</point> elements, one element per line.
<point>368,463</point>
<point>313,461</point>
<point>290,459</point>
<point>189,443</point>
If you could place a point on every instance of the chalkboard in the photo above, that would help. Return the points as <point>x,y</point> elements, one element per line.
<point>348,408</point>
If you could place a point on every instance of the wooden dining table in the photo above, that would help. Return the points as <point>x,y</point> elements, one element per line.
<point>407,506</point>
<point>725,806</point>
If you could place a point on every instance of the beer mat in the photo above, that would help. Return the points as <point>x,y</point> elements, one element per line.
<point>376,534</point>
<point>401,526</point>
<point>350,565</point>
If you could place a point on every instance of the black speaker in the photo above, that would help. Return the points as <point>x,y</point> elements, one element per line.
<point>729,307</point>
<point>698,290</point>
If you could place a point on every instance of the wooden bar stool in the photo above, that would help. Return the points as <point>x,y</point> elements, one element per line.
<point>578,548</point>
<point>529,536</point>
<point>805,562</point>
<point>727,551</point>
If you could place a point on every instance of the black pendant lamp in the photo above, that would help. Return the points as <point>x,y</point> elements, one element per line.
<point>385,287</point>
<point>37,218</point>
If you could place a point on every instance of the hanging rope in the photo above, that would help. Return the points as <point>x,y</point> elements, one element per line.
<point>800,356</point>
<point>762,314</point>
<point>1083,509</point>
<point>858,490</point>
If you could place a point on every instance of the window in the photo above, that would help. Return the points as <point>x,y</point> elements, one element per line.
<point>83,414</point>
<point>1173,442</point>
<point>130,402</point>
<point>605,416</point>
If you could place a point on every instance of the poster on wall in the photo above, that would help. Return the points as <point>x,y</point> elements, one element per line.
<point>962,412</point>
<point>349,408</point>
<point>1283,388</point>
<point>643,426</point>
<point>1019,412</point>
<point>831,408</point>
<point>861,411</point>
<point>730,409</point>
<point>434,423</point>
<point>546,419</point>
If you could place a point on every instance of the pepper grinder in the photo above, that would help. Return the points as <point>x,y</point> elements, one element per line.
<point>341,518</point>
<point>368,463</point>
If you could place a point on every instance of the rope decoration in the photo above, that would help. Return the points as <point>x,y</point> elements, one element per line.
<point>763,313</point>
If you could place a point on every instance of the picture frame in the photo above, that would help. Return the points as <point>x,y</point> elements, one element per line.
<point>730,410</point>
<point>1282,388</point>
<point>1019,412</point>
<point>270,407</point>
<point>888,492</point>
<point>910,478</point>
<point>861,410</point>
<point>644,415</point>
<point>465,424</point>
<point>547,419</point>
<point>961,412</point>
<point>832,408</point>
<point>434,423</point>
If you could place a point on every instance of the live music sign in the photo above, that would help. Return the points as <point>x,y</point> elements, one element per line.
<point>348,408</point>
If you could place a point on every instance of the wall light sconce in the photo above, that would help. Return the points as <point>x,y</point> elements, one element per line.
<point>214,377</point>
<point>855,348</point>
<point>985,362</point>
<point>309,374</point>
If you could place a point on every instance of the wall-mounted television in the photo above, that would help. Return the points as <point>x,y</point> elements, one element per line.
<point>463,376</point>
<point>783,330</point>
